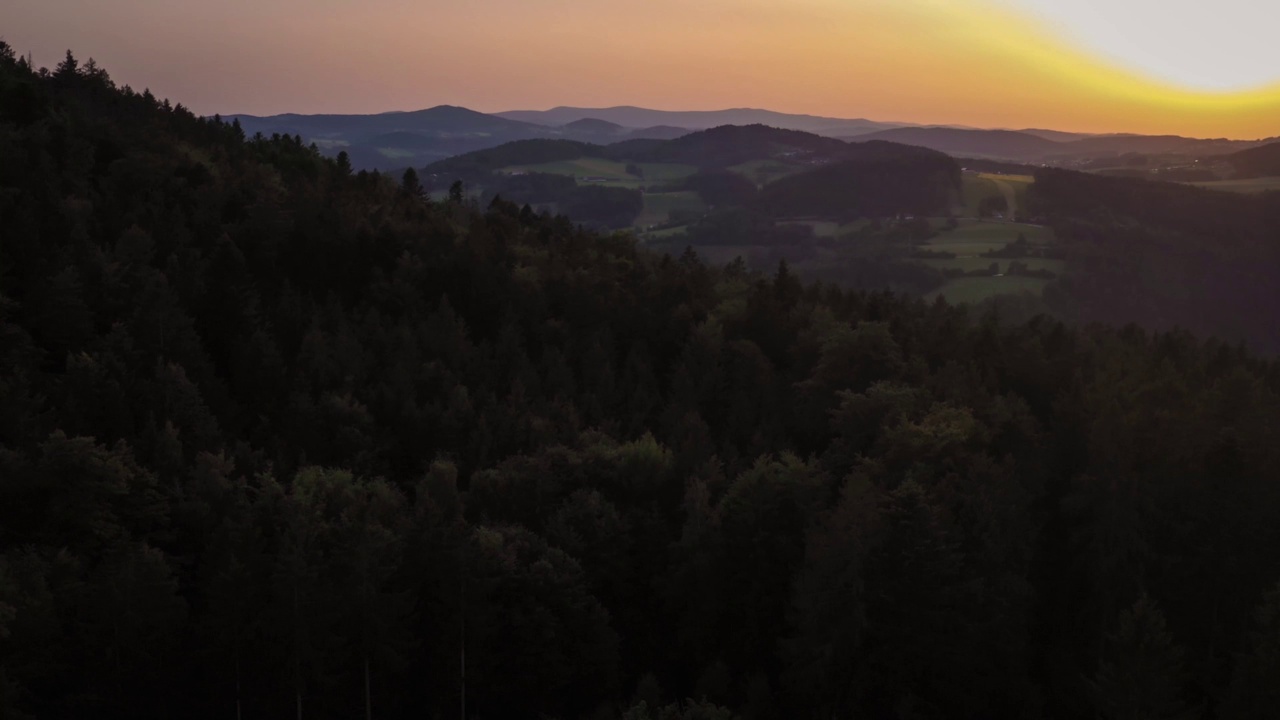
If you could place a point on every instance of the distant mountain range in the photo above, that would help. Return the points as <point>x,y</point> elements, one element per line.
<point>636,117</point>
<point>394,140</point>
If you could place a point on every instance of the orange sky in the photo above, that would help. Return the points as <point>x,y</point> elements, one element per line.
<point>965,62</point>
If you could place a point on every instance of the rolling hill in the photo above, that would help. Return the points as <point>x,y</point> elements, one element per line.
<point>734,144</point>
<point>398,139</point>
<point>1261,161</point>
<point>637,117</point>
<point>395,140</point>
<point>1048,146</point>
<point>874,178</point>
<point>1120,144</point>
<point>720,147</point>
<point>1006,144</point>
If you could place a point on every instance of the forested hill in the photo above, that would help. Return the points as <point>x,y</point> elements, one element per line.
<point>1262,161</point>
<point>272,434</point>
<point>1165,255</point>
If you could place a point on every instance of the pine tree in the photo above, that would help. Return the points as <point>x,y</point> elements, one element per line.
<point>1141,676</point>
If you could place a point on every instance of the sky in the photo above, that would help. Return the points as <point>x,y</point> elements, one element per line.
<point>1206,69</point>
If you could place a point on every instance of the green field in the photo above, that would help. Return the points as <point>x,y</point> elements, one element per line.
<point>1013,187</point>
<point>974,237</point>
<point>977,187</point>
<point>763,172</point>
<point>973,190</point>
<point>977,289</point>
<point>659,206</point>
<point>1252,185</point>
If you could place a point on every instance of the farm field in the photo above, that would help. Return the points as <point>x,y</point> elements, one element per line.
<point>973,190</point>
<point>977,289</point>
<point>763,172</point>
<point>1013,187</point>
<point>1252,185</point>
<point>977,187</point>
<point>974,237</point>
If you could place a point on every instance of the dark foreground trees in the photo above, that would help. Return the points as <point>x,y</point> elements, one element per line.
<point>276,439</point>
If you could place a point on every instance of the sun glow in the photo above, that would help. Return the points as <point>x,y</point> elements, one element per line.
<point>983,63</point>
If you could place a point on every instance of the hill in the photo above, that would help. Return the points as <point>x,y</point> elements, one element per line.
<point>594,126</point>
<point>402,139</point>
<point>1165,255</point>
<point>521,152</point>
<point>1173,144</point>
<point>873,179</point>
<point>636,117</point>
<point>441,120</point>
<point>716,148</point>
<point>1049,146</point>
<point>397,139</point>
<point>1258,162</point>
<point>732,145</point>
<point>1002,144</point>
<point>1055,135</point>
<point>658,132</point>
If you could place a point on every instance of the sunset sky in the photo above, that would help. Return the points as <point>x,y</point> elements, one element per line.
<point>1150,66</point>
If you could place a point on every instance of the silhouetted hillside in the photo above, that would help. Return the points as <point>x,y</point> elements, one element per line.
<point>659,132</point>
<point>520,152</point>
<point>1120,144</point>
<point>636,117</point>
<point>1005,144</point>
<point>1262,161</point>
<point>1035,146</point>
<point>594,126</point>
<point>731,145</point>
<point>875,179</point>
<point>1165,255</point>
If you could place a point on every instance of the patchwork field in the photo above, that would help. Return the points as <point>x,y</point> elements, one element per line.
<point>973,238</point>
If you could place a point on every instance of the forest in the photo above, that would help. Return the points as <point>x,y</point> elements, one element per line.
<point>278,438</point>
<point>1164,255</point>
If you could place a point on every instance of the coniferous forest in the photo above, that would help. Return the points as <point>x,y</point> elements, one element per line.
<point>278,439</point>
